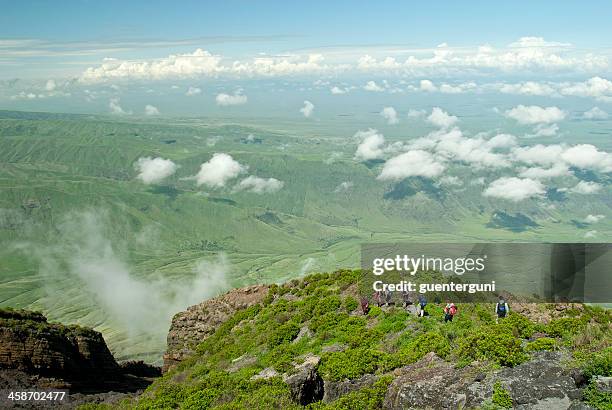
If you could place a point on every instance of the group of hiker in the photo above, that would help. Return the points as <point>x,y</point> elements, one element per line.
<point>384,298</point>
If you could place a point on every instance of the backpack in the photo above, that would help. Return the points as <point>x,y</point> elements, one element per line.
<point>453,310</point>
<point>501,307</point>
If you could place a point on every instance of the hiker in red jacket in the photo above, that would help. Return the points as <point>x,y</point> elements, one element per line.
<point>449,312</point>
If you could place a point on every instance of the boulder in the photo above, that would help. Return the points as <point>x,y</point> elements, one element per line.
<point>306,384</point>
<point>335,390</point>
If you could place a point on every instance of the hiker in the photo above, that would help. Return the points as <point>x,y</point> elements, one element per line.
<point>501,309</point>
<point>406,298</point>
<point>365,306</point>
<point>422,304</point>
<point>388,296</point>
<point>378,298</point>
<point>449,312</point>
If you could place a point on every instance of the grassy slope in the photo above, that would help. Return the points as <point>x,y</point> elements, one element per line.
<point>377,343</point>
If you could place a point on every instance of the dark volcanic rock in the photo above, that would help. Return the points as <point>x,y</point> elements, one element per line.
<point>306,385</point>
<point>335,390</point>
<point>434,383</point>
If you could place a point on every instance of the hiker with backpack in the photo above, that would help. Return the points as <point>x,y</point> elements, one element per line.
<point>501,309</point>
<point>378,298</point>
<point>449,312</point>
<point>365,305</point>
<point>422,304</point>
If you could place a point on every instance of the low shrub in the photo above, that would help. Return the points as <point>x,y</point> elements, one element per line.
<point>490,343</point>
<point>544,343</point>
<point>501,396</point>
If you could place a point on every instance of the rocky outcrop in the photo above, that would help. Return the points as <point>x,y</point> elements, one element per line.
<point>30,344</point>
<point>190,327</point>
<point>36,354</point>
<point>335,390</point>
<point>433,383</point>
<point>306,384</point>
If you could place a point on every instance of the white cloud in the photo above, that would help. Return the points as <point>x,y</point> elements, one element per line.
<point>154,170</point>
<point>371,146</point>
<point>557,170</point>
<point>220,169</point>
<point>191,91</point>
<point>545,130</point>
<point>259,185</point>
<point>536,42</point>
<point>389,114</point>
<point>441,118</point>
<point>595,87</point>
<point>115,107</point>
<point>50,85</point>
<point>589,157</point>
<point>595,113</point>
<point>151,110</point>
<point>343,187</point>
<point>236,99</point>
<point>586,188</point>
<point>427,85</point>
<point>307,109</point>
<point>335,90</point>
<point>514,189</point>
<point>528,88</point>
<point>538,154</point>
<point>372,86</point>
<point>590,234</point>
<point>412,163</point>
<point>534,114</point>
<point>591,219</point>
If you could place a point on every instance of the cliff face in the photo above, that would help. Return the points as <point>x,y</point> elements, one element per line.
<point>36,354</point>
<point>30,344</point>
<point>190,327</point>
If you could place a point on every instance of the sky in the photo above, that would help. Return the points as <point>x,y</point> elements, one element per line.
<point>158,57</point>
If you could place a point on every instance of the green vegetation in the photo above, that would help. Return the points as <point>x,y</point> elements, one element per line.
<point>501,396</point>
<point>220,374</point>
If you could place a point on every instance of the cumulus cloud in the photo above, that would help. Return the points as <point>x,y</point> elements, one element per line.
<point>557,170</point>
<point>335,90</point>
<point>259,185</point>
<point>533,114</point>
<point>371,146</point>
<point>514,189</point>
<point>191,91</point>
<point>591,219</point>
<point>427,85</point>
<point>595,113</point>
<point>154,170</point>
<point>586,188</point>
<point>389,114</point>
<point>589,157</point>
<point>307,109</point>
<point>219,170</point>
<point>595,87</point>
<point>441,118</point>
<point>151,110</point>
<point>226,99</point>
<point>115,107</point>
<point>590,234</point>
<point>372,86</point>
<point>412,163</point>
<point>538,154</point>
<point>528,88</point>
